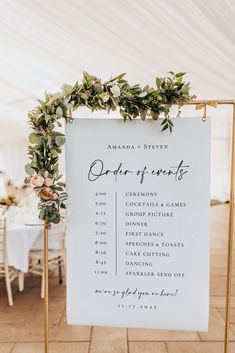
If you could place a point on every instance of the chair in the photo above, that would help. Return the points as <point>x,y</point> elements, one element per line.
<point>9,272</point>
<point>56,254</point>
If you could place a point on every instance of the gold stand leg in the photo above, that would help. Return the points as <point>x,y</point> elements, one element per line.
<point>46,299</point>
<point>230,239</point>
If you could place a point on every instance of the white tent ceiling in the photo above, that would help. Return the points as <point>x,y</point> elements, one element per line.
<point>49,42</point>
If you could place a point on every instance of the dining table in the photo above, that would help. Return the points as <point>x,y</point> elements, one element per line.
<point>24,233</point>
<point>20,241</point>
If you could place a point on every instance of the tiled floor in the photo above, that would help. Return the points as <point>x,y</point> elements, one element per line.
<point>21,326</point>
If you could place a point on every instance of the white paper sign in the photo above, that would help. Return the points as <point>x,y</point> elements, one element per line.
<point>138,232</point>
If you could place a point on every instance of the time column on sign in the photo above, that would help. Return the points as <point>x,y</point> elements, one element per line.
<point>101,233</point>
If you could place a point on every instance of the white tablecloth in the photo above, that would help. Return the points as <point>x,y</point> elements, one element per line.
<point>23,238</point>
<point>20,240</point>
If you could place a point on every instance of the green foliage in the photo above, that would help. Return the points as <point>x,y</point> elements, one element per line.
<point>115,94</point>
<point>29,170</point>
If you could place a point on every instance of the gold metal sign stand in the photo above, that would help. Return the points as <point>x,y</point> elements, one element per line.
<point>199,104</point>
<point>46,294</point>
<point>213,103</point>
<point>230,239</point>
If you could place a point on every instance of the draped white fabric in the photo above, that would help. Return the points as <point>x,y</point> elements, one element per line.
<point>47,43</point>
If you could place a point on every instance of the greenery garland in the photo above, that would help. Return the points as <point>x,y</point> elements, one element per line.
<point>115,94</point>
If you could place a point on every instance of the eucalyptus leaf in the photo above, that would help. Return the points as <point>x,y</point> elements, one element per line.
<point>60,140</point>
<point>158,82</point>
<point>143,114</point>
<point>67,89</point>
<point>35,138</point>
<point>59,112</point>
<point>52,216</point>
<point>180,74</point>
<point>47,118</point>
<point>154,115</point>
<point>98,88</point>
<point>84,96</point>
<point>119,77</point>
<point>143,94</point>
<point>29,170</point>
<point>56,220</point>
<point>42,214</point>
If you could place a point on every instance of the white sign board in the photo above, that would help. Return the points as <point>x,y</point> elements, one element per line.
<point>138,232</point>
